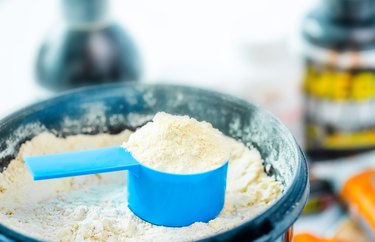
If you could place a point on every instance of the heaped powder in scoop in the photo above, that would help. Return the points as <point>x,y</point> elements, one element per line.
<point>178,144</point>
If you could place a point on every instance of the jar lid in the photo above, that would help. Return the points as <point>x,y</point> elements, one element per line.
<point>350,11</point>
<point>85,12</point>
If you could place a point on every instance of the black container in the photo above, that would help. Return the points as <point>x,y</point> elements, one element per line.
<point>87,48</point>
<point>112,108</point>
<point>339,86</point>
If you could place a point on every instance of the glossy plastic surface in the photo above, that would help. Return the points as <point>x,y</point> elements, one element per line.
<point>80,163</point>
<point>176,200</point>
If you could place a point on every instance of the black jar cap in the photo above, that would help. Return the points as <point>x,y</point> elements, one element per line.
<point>349,11</point>
<point>341,25</point>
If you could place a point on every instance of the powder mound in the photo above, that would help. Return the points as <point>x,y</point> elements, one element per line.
<point>94,207</point>
<point>178,144</point>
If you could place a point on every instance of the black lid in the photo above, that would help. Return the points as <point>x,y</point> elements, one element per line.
<point>350,10</point>
<point>342,25</point>
<point>85,12</point>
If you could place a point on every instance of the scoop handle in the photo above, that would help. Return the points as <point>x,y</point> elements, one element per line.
<point>80,163</point>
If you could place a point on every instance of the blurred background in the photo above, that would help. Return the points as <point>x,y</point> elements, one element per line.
<point>309,62</point>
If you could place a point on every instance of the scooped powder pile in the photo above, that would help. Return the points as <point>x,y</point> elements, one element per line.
<point>178,144</point>
<point>94,207</point>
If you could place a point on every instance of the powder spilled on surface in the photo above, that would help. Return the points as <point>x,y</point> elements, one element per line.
<point>94,207</point>
<point>178,144</point>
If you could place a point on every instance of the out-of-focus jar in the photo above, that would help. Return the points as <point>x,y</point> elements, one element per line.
<point>339,83</point>
<point>87,48</point>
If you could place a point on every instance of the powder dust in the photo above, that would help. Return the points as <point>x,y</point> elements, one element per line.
<point>94,207</point>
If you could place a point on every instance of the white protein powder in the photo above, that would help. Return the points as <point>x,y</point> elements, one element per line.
<point>94,207</point>
<point>178,144</point>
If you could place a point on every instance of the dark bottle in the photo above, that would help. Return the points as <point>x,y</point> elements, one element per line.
<point>88,49</point>
<point>339,84</point>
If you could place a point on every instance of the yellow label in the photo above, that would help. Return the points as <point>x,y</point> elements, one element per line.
<point>339,108</point>
<point>342,140</point>
<point>351,140</point>
<point>339,85</point>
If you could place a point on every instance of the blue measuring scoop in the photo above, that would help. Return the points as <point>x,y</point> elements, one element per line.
<point>158,197</point>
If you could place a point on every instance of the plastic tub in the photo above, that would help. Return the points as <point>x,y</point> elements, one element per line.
<point>112,108</point>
